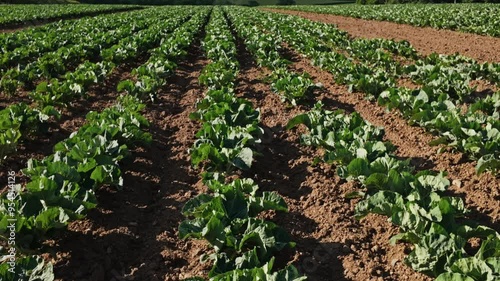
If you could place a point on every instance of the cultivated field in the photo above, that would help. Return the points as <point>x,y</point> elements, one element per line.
<point>233,143</point>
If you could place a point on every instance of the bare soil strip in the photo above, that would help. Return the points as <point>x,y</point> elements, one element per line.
<point>133,232</point>
<point>331,244</point>
<point>425,39</point>
<point>481,193</point>
<point>8,28</point>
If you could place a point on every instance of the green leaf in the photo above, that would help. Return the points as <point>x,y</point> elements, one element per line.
<point>213,232</point>
<point>488,162</point>
<point>32,268</point>
<point>244,159</point>
<point>494,264</point>
<point>297,120</point>
<point>434,183</point>
<point>191,228</point>
<point>381,203</point>
<point>289,273</point>
<point>53,217</point>
<point>268,201</point>
<point>358,167</point>
<point>435,252</point>
<point>438,141</point>
<point>191,206</point>
<point>473,267</point>
<point>490,247</point>
<point>107,174</point>
<point>448,276</point>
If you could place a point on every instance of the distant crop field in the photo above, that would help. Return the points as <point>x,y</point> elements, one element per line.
<point>32,13</point>
<point>298,2</point>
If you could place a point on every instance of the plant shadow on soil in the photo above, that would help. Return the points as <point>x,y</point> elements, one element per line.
<point>272,171</point>
<point>322,261</point>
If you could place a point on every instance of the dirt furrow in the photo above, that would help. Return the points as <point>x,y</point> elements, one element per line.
<point>133,232</point>
<point>425,40</point>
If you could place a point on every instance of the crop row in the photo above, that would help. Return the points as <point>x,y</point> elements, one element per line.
<point>473,18</point>
<point>43,38</point>
<point>380,57</point>
<point>152,75</point>
<point>292,87</point>
<point>436,105</point>
<point>100,48</point>
<point>62,185</point>
<point>228,216</point>
<point>25,14</point>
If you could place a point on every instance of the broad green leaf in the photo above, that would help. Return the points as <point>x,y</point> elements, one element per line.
<point>473,267</point>
<point>448,276</point>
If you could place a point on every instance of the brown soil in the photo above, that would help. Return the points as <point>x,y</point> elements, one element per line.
<point>132,235</point>
<point>483,89</point>
<point>425,39</point>
<point>407,83</point>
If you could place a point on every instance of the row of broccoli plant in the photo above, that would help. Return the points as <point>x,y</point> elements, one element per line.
<point>479,19</point>
<point>22,70</point>
<point>18,120</point>
<point>62,185</point>
<point>475,132</point>
<point>228,217</point>
<point>15,16</point>
<point>417,202</point>
<point>230,125</point>
<point>291,86</point>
